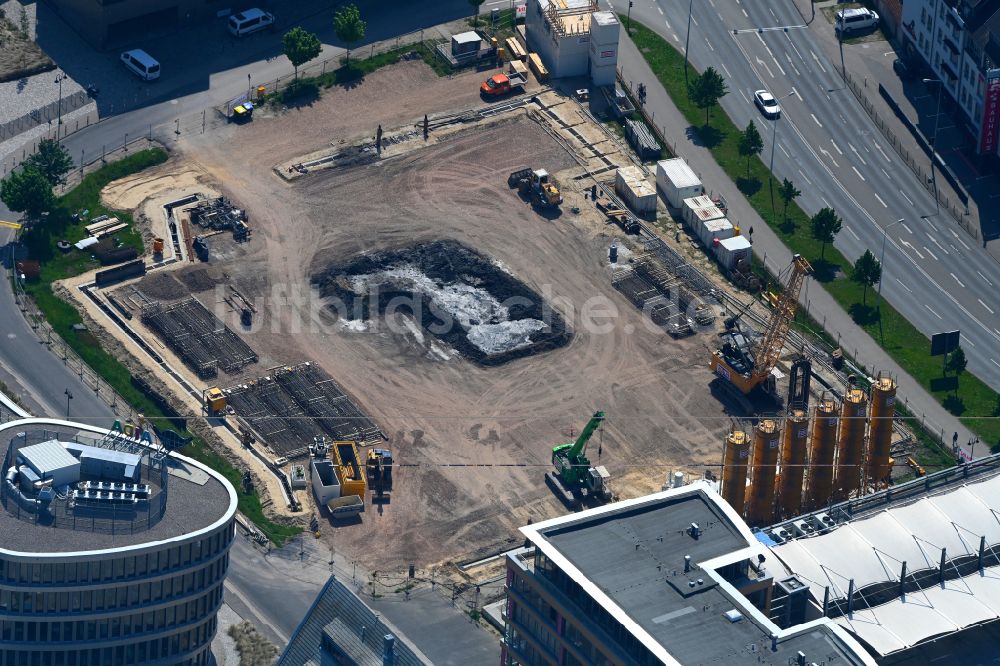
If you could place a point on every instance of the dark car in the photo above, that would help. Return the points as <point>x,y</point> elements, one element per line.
<point>902,70</point>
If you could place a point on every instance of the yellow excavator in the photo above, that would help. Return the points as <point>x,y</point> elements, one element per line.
<point>745,365</point>
<point>538,185</point>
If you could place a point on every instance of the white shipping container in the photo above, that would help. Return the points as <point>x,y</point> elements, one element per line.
<point>632,186</point>
<point>731,250</point>
<point>699,209</point>
<point>677,181</point>
<point>721,229</point>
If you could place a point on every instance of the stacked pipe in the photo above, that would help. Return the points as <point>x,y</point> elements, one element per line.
<point>734,469</point>
<point>793,460</point>
<point>883,410</point>
<point>765,464</point>
<point>851,443</point>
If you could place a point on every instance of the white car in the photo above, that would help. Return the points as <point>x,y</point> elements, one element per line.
<point>767,104</point>
<point>249,21</point>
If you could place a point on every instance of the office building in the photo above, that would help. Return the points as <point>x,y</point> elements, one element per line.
<point>106,23</point>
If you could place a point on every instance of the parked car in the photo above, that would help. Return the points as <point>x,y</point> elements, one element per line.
<point>903,71</point>
<point>852,20</point>
<point>141,64</point>
<point>249,21</point>
<point>767,104</point>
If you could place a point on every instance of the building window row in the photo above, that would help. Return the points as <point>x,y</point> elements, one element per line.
<point>115,568</point>
<point>110,599</point>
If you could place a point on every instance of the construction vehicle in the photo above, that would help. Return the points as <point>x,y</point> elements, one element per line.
<point>744,365</point>
<point>575,480</point>
<point>537,185</point>
<point>347,467</point>
<point>380,470</point>
<point>620,216</point>
<point>502,84</point>
<point>215,401</point>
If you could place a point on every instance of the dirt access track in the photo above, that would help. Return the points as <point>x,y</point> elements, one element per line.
<point>441,410</point>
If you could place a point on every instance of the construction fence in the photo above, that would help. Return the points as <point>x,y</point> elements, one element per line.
<point>50,113</point>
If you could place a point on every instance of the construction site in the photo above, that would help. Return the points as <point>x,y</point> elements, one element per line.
<point>456,301</point>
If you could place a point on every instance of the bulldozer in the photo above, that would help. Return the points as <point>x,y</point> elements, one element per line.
<point>537,185</point>
<point>574,480</point>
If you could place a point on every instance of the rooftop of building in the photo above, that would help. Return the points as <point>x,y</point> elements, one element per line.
<point>857,549</point>
<point>630,557</point>
<point>196,498</point>
<point>340,628</point>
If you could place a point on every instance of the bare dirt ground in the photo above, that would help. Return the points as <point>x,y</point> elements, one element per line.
<point>437,412</point>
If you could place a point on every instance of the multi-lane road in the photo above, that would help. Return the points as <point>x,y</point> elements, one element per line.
<point>934,273</point>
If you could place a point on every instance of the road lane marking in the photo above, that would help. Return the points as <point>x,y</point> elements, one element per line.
<point>805,177</point>
<point>904,285</point>
<point>744,96</point>
<point>709,44</point>
<point>960,283</point>
<point>935,241</point>
<point>908,200</point>
<point>932,311</point>
<point>906,226</point>
<point>968,341</point>
<point>884,205</point>
<point>985,306</point>
<point>839,151</point>
<point>764,65</point>
<point>694,20</point>
<point>816,58</point>
<point>856,237</point>
<point>995,363</point>
<point>744,12</point>
<point>911,247</point>
<point>792,63</point>
<point>794,90</point>
<point>676,38</point>
<point>851,146</point>
<point>959,239</point>
<point>815,119</point>
<point>711,2</point>
<point>827,153</point>
<point>780,68</point>
<point>784,151</point>
<point>668,24</point>
<point>928,251</point>
<point>886,173</point>
<point>725,70</point>
<point>858,172</point>
<point>772,13</point>
<point>659,9</point>
<point>879,148</point>
<point>985,278</point>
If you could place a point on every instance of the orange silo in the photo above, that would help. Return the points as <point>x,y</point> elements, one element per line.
<point>793,459</point>
<point>819,478</point>
<point>767,437</point>
<point>883,399</point>
<point>851,443</point>
<point>734,469</point>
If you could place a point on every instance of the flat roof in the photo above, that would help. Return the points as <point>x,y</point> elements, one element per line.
<point>678,171</point>
<point>47,456</point>
<point>629,557</point>
<point>191,505</point>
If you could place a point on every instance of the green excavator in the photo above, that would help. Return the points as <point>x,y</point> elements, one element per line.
<point>574,480</point>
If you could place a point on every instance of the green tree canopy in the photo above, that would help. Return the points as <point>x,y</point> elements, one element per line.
<point>52,161</point>
<point>476,4</point>
<point>300,46</point>
<point>349,26</point>
<point>956,363</point>
<point>27,191</point>
<point>867,272</point>
<point>788,194</point>
<point>751,143</point>
<point>825,227</point>
<point>707,89</point>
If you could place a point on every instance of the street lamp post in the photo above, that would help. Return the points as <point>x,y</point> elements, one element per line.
<point>937,118</point>
<point>69,396</point>
<point>881,264</point>
<point>774,140</point>
<point>59,80</point>
<point>687,41</point>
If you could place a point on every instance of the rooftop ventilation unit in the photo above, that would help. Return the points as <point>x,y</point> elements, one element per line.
<point>824,522</point>
<point>784,532</point>
<point>803,528</point>
<point>733,615</point>
<point>775,536</point>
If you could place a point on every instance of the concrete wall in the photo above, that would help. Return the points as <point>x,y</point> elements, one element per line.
<point>95,20</point>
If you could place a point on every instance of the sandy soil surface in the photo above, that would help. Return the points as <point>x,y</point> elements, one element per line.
<point>442,410</point>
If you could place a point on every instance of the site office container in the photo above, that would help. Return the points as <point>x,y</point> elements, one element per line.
<point>677,181</point>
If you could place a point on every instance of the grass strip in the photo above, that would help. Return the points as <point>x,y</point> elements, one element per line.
<point>41,238</point>
<point>967,397</point>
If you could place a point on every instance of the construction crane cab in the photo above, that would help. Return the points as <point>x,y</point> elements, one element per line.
<point>537,185</point>
<point>744,364</point>
<point>574,480</point>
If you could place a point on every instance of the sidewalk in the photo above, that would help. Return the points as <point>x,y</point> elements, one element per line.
<point>869,64</point>
<point>816,300</point>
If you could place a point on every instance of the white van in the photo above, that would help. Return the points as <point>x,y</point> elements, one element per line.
<point>248,21</point>
<point>142,64</point>
<point>849,20</point>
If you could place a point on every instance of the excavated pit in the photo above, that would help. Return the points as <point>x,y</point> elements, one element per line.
<point>459,296</point>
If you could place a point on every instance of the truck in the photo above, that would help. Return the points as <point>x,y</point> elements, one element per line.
<point>537,185</point>
<point>348,468</point>
<point>502,84</point>
<point>574,480</point>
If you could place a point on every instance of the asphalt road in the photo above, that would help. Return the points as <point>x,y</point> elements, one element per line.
<point>827,145</point>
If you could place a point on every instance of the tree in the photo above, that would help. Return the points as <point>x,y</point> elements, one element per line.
<point>867,272</point>
<point>825,226</point>
<point>52,161</point>
<point>300,46</point>
<point>349,27</point>
<point>956,363</point>
<point>707,89</point>
<point>751,144</point>
<point>475,5</point>
<point>788,194</point>
<point>27,191</point>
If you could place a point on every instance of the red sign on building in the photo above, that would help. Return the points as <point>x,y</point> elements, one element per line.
<point>988,135</point>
